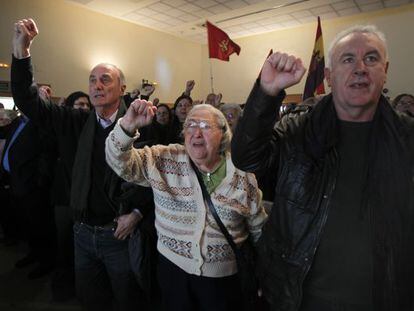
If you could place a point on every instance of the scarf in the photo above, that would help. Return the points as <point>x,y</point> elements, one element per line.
<point>81,172</point>
<point>388,200</point>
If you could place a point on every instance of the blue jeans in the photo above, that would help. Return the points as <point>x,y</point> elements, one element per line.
<point>104,280</point>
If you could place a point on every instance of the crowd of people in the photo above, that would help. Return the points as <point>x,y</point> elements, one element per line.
<point>81,179</point>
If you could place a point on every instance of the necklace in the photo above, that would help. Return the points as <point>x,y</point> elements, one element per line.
<point>213,178</point>
<point>208,176</point>
<point>213,171</point>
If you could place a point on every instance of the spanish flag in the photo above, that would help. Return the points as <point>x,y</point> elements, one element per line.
<point>220,46</point>
<point>314,81</point>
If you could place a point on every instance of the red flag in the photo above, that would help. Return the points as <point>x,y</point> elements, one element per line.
<point>314,82</point>
<point>220,46</point>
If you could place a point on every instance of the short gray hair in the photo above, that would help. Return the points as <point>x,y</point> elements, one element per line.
<point>122,79</point>
<point>221,122</point>
<point>367,29</point>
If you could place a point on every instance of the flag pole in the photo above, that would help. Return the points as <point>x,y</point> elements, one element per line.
<point>211,76</point>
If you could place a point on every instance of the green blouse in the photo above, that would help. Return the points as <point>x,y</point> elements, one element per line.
<point>214,178</point>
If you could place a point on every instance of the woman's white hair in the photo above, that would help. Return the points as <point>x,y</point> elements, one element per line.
<point>221,123</point>
<point>367,29</point>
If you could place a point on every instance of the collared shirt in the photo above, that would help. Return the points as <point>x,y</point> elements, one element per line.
<point>107,122</point>
<point>22,123</point>
<point>213,179</point>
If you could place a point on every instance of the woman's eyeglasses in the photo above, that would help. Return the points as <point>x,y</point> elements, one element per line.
<point>204,126</point>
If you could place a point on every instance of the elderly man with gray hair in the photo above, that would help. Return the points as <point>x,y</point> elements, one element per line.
<point>104,213</point>
<point>340,235</point>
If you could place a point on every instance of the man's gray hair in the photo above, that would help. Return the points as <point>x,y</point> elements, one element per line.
<point>122,79</point>
<point>367,29</point>
<point>221,123</point>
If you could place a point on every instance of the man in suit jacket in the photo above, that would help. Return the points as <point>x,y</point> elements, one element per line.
<point>21,165</point>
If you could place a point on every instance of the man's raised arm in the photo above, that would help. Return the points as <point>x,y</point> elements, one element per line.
<point>24,90</point>
<point>254,143</point>
<point>24,32</point>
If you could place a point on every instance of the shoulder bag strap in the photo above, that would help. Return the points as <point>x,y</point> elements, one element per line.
<point>213,211</point>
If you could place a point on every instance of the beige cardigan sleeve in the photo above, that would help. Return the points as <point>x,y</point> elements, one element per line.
<point>133,165</point>
<point>257,217</point>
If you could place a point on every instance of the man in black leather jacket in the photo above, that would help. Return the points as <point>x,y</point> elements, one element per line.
<point>340,234</point>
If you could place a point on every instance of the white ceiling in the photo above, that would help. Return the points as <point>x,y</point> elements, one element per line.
<point>239,18</point>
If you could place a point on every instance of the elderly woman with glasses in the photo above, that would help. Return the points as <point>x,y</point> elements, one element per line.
<point>197,268</point>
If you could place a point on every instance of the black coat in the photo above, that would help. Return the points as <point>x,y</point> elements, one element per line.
<point>300,157</point>
<point>65,125</point>
<point>28,159</point>
<point>23,157</point>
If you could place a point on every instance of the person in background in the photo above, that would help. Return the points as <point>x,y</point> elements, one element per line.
<point>189,86</point>
<point>29,212</point>
<point>79,100</point>
<point>232,112</point>
<point>147,89</point>
<point>129,97</point>
<point>45,92</point>
<point>214,100</point>
<point>4,121</point>
<point>404,103</point>
<point>159,132</point>
<point>163,114</point>
<point>156,101</point>
<point>8,216</point>
<point>143,92</point>
<point>211,99</point>
<point>61,101</point>
<point>182,106</point>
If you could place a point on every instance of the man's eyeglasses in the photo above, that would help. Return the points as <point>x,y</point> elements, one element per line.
<point>204,126</point>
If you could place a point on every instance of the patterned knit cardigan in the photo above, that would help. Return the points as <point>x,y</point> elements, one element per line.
<point>187,233</point>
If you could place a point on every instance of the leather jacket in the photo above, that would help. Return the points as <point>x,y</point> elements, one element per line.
<point>300,154</point>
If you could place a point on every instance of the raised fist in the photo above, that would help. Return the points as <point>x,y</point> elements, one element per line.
<point>24,32</point>
<point>45,92</point>
<point>147,90</point>
<point>279,72</point>
<point>189,86</point>
<point>139,114</point>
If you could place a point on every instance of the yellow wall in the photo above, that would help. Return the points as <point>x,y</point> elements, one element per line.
<point>235,78</point>
<point>73,39</point>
